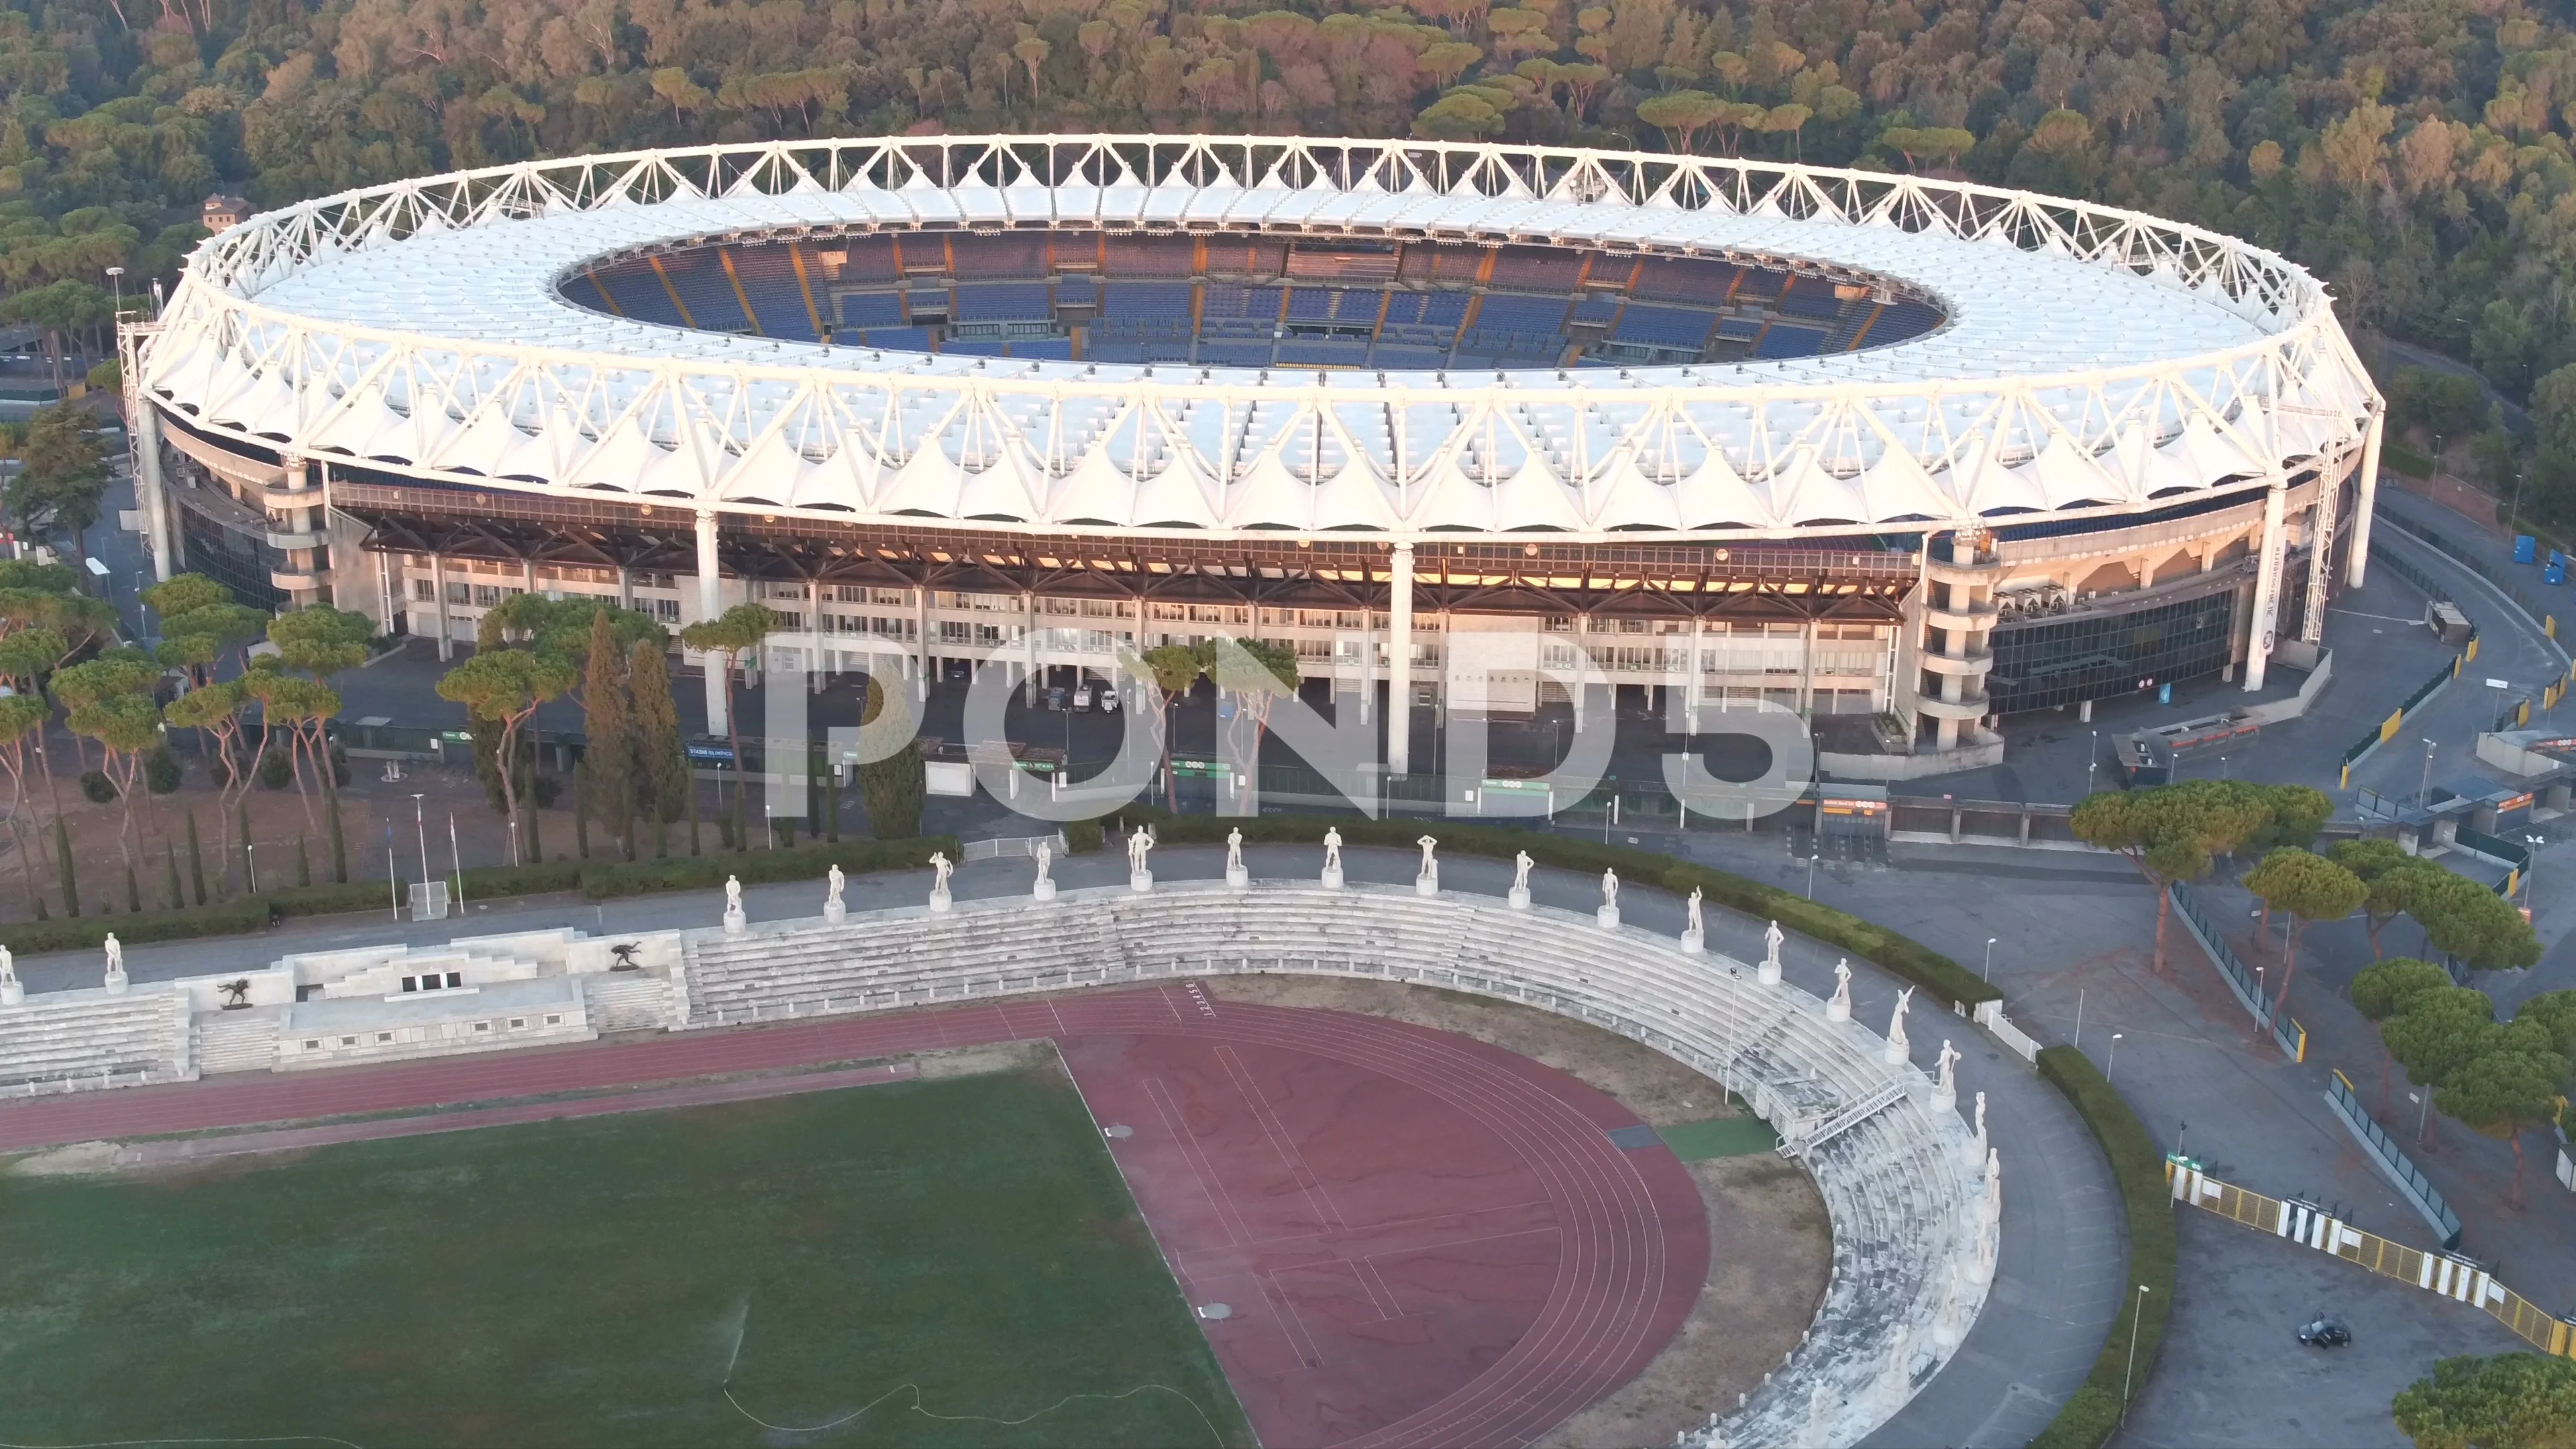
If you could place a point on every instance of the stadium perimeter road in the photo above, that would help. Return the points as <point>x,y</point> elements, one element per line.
<point>2058,1282</point>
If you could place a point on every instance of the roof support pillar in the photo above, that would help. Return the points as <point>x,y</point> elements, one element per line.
<point>1399,661</point>
<point>710,604</point>
<point>2358,550</point>
<point>2267,587</point>
<point>154,497</point>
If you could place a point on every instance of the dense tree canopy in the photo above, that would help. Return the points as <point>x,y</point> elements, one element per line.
<point>2415,152</point>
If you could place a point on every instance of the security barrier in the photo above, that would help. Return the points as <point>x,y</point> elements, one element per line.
<point>2454,1277</point>
<point>2287,1034</point>
<point>2392,1161</point>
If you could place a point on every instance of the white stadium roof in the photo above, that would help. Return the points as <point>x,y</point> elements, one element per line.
<point>2094,360</point>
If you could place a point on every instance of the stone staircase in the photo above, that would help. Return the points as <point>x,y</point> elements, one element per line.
<point>236,1041</point>
<point>627,1001</point>
<point>73,1040</point>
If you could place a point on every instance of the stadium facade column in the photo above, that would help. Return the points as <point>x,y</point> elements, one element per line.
<point>1399,661</point>
<point>711,604</point>
<point>815,663</point>
<point>2267,587</point>
<point>156,497</point>
<point>1691,680</point>
<point>921,642</point>
<point>438,586</point>
<point>1029,633</point>
<point>2321,542</point>
<point>2358,550</point>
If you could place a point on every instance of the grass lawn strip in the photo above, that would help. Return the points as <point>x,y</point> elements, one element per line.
<point>962,1244</point>
<point>1719,1137</point>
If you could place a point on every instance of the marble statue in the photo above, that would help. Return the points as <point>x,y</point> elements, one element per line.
<point>1520,870</point>
<point>1897,1041</point>
<point>1429,865</point>
<point>834,882</point>
<point>1044,886</point>
<point>1046,858</point>
<point>1694,927</point>
<point>1771,939</point>
<point>1609,887</point>
<point>1233,850</point>
<point>1139,841</point>
<point>1839,1009</point>
<point>733,895</point>
<point>115,963</point>
<point>11,993</point>
<point>940,870</point>
<point>1332,849</point>
<point>1945,1086</point>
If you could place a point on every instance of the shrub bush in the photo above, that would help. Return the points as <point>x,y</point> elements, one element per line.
<point>805,862</point>
<point>238,916</point>
<point>1081,837</point>
<point>161,771</point>
<point>276,771</point>
<point>96,787</point>
<point>2138,1165</point>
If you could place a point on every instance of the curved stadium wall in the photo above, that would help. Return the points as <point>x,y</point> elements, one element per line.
<point>1863,445</point>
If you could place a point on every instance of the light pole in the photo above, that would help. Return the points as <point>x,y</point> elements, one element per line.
<point>2111,1058</point>
<point>250,865</point>
<point>116,284</point>
<point>2513,515</point>
<point>2093,762</point>
<point>2131,1376</point>
<point>1989,972</point>
<point>2533,869</point>
<point>420,826</point>
<point>2424,1118</point>
<point>2424,791</point>
<point>2179,1129</point>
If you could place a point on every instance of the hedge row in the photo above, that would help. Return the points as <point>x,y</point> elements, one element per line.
<point>225,918</point>
<point>1907,958</point>
<point>802,862</point>
<point>599,880</point>
<point>2091,1416</point>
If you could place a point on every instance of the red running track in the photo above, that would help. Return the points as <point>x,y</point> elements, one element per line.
<point>1423,1240</point>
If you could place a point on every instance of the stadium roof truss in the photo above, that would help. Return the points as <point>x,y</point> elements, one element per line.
<point>2097,361</point>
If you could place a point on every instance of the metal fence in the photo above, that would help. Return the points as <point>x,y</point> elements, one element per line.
<point>2392,1160</point>
<point>2286,1032</point>
<point>2445,1272</point>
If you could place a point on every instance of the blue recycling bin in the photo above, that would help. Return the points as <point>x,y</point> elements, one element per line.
<point>2556,573</point>
<point>2525,548</point>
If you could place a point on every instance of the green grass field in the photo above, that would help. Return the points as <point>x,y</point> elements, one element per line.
<point>612,1280</point>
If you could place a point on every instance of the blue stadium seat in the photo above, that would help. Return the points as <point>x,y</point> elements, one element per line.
<point>1784,340</point>
<point>1003,302</point>
<point>865,310</point>
<point>768,279</point>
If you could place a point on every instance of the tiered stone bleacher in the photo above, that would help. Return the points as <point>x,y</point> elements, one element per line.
<point>70,1041</point>
<point>1903,1198</point>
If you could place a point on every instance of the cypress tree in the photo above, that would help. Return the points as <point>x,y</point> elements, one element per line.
<point>832,812</point>
<point>339,844</point>
<point>170,857</point>
<point>741,830</point>
<point>196,860</point>
<point>133,889</point>
<point>63,860</point>
<point>604,788</point>
<point>664,786</point>
<point>894,787</point>
<point>581,788</point>
<point>303,863</point>
<point>693,819</point>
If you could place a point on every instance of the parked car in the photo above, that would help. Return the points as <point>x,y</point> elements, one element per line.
<point>1082,697</point>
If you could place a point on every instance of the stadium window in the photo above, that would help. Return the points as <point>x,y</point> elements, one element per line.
<point>423,591</point>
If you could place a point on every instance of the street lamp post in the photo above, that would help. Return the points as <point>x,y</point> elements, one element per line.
<point>2424,1118</point>
<point>2112,1058</point>
<point>2513,515</point>
<point>420,826</point>
<point>2093,762</point>
<point>2533,869</point>
<point>116,283</point>
<point>1989,972</point>
<point>2424,791</point>
<point>2131,1376</point>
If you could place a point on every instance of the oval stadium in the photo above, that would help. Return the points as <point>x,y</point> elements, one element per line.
<point>1904,455</point>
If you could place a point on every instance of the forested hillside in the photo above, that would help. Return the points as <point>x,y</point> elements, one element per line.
<point>2414,152</point>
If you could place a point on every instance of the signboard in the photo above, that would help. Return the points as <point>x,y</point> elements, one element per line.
<point>1188,769</point>
<point>721,754</point>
